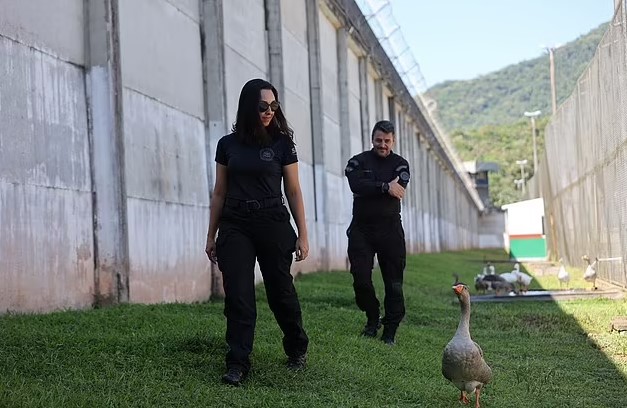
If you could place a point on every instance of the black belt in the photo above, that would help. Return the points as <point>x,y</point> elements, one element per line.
<point>253,205</point>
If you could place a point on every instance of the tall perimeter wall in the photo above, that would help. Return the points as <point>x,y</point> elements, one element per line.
<point>111,111</point>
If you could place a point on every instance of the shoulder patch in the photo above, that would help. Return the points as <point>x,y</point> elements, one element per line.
<point>353,164</point>
<point>402,167</point>
<point>404,176</point>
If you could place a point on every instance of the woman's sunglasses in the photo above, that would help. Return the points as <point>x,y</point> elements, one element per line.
<point>263,106</point>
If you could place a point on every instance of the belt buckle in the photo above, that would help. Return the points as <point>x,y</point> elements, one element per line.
<point>252,205</point>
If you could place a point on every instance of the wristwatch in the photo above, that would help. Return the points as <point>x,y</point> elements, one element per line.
<point>385,187</point>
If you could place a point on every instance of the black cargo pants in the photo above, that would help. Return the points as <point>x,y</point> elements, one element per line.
<point>385,238</point>
<point>268,236</point>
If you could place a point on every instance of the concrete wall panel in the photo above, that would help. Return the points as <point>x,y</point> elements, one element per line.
<point>328,55</point>
<point>372,105</point>
<point>332,147</point>
<point>354,106</point>
<point>240,70</point>
<point>165,153</point>
<point>294,19</point>
<point>245,47</point>
<point>167,260</point>
<point>330,97</point>
<point>164,64</point>
<point>298,114</point>
<point>46,248</point>
<point>43,117</point>
<point>55,27</point>
<point>296,96</point>
<point>191,8</point>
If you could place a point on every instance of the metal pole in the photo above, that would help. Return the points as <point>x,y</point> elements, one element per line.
<point>532,116</point>
<point>553,87</point>
<point>535,150</point>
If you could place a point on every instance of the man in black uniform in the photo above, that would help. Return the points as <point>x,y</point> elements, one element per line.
<point>378,178</point>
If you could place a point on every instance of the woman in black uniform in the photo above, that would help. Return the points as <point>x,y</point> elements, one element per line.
<point>247,208</point>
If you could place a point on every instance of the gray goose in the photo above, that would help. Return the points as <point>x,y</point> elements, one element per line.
<point>462,360</point>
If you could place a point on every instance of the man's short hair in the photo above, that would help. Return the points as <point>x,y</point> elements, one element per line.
<point>383,125</point>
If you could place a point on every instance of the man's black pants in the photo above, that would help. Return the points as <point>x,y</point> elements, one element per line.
<point>386,239</point>
<point>267,236</point>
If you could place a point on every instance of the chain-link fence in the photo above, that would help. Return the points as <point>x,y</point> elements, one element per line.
<point>584,176</point>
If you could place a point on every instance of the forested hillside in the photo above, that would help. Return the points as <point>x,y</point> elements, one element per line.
<point>501,97</point>
<point>484,116</point>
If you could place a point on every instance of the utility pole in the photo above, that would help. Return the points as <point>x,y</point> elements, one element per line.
<point>553,87</point>
<point>532,116</point>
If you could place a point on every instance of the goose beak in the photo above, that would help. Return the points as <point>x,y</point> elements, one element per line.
<point>458,289</point>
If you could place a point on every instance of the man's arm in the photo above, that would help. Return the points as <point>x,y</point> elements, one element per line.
<point>361,180</point>
<point>403,173</point>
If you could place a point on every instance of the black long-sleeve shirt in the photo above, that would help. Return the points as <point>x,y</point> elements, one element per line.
<point>367,172</point>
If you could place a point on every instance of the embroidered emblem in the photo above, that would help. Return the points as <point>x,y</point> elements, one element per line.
<point>294,150</point>
<point>266,154</point>
<point>404,176</point>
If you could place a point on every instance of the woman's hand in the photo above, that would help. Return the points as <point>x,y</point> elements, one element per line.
<point>302,248</point>
<point>210,250</point>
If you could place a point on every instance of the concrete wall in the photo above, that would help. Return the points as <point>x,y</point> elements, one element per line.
<point>164,138</point>
<point>46,246</point>
<point>111,111</point>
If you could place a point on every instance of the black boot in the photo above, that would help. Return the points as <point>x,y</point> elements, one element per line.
<point>297,363</point>
<point>388,335</point>
<point>234,376</point>
<point>372,326</point>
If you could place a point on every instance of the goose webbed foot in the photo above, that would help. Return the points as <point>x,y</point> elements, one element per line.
<point>463,398</point>
<point>477,393</point>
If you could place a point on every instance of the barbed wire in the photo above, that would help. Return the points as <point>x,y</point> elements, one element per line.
<point>381,19</point>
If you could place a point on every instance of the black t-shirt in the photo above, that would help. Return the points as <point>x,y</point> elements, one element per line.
<point>255,172</point>
<point>366,173</point>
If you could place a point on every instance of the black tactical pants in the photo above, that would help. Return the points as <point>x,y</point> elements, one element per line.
<point>386,239</point>
<point>267,236</point>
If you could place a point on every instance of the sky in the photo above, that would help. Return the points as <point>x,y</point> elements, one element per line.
<point>463,39</point>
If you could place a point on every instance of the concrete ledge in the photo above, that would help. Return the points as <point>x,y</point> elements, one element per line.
<point>548,295</point>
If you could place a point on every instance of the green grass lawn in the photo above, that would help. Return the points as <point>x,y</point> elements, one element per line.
<point>542,354</point>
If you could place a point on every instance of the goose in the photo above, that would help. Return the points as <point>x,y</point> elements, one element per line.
<point>480,284</point>
<point>523,280</point>
<point>493,282</point>
<point>462,360</point>
<point>563,276</point>
<point>491,268</point>
<point>590,275</point>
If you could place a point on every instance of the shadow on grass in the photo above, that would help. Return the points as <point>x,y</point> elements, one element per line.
<point>550,351</point>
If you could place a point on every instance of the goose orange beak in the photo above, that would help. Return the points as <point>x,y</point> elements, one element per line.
<point>458,289</point>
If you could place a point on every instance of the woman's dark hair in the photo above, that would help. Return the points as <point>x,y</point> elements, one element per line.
<point>248,126</point>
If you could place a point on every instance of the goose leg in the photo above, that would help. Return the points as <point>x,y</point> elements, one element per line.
<point>477,393</point>
<point>463,398</point>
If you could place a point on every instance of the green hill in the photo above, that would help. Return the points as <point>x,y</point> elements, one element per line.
<point>502,96</point>
<point>484,116</point>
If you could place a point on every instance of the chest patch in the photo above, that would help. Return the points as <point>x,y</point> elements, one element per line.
<point>266,154</point>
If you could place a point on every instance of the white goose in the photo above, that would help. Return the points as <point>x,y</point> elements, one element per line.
<point>590,275</point>
<point>563,276</point>
<point>462,359</point>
